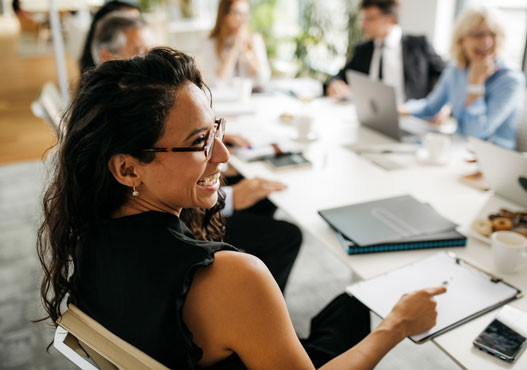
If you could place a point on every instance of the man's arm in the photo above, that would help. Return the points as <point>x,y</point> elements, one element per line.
<point>360,61</point>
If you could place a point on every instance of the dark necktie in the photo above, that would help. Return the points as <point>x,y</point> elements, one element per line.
<point>381,48</point>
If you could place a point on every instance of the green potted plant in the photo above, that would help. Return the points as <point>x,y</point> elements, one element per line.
<point>313,39</point>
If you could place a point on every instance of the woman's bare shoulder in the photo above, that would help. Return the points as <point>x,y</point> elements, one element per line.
<point>235,305</point>
<point>235,276</point>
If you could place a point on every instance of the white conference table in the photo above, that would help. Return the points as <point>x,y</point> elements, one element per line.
<point>339,176</point>
<point>60,5</point>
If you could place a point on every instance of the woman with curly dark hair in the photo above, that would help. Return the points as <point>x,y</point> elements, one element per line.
<point>131,235</point>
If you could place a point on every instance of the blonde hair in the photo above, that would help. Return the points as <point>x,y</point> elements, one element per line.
<point>469,20</point>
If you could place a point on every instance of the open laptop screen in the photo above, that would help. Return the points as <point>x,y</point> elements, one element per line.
<point>505,170</point>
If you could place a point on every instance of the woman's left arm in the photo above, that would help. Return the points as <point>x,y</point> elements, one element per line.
<point>488,112</point>
<point>256,60</point>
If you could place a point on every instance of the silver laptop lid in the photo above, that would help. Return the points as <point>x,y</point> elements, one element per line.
<point>505,170</point>
<point>375,104</point>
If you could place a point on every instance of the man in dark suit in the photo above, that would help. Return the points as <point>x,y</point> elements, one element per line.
<point>409,63</point>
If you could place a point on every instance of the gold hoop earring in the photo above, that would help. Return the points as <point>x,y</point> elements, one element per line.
<point>135,193</point>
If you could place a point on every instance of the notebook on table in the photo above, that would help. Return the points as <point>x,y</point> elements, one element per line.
<point>470,293</point>
<point>391,224</point>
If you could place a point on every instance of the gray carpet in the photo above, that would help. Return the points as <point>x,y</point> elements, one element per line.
<point>317,277</point>
<point>22,343</point>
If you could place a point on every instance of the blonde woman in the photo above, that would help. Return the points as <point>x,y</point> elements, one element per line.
<point>231,50</point>
<point>477,88</point>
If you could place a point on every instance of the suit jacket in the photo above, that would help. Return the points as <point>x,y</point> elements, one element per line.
<point>421,65</point>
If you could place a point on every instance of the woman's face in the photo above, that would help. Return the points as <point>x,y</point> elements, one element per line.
<point>175,180</point>
<point>238,16</point>
<point>480,43</point>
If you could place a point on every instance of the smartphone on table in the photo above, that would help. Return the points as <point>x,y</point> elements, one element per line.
<point>288,161</point>
<point>502,341</point>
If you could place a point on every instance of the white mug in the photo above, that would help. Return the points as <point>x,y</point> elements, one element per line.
<point>509,251</point>
<point>243,87</point>
<point>437,147</point>
<point>303,124</point>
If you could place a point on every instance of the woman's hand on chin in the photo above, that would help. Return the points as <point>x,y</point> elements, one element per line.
<point>480,69</point>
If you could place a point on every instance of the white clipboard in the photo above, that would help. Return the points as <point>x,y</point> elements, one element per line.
<point>471,292</point>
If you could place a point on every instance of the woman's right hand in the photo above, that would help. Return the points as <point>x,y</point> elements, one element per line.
<point>415,312</point>
<point>481,69</point>
<point>241,39</point>
<point>402,110</point>
<point>442,115</point>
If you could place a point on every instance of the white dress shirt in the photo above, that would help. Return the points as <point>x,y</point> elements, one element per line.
<point>392,62</point>
<point>228,210</point>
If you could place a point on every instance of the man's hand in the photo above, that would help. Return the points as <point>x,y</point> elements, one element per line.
<point>338,88</point>
<point>248,192</point>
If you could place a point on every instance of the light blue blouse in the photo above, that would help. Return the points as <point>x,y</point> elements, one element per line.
<point>492,117</point>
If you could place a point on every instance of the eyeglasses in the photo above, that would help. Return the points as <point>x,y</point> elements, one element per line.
<point>208,146</point>
<point>239,14</point>
<point>371,18</point>
<point>482,34</point>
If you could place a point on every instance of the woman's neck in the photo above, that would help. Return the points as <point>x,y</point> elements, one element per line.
<point>135,206</point>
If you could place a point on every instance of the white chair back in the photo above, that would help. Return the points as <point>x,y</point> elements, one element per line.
<point>91,346</point>
<point>49,106</point>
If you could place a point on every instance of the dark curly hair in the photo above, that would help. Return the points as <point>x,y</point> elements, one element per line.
<point>119,108</point>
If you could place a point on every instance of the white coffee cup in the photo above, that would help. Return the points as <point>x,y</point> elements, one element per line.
<point>243,88</point>
<point>509,251</point>
<point>437,147</point>
<point>304,125</point>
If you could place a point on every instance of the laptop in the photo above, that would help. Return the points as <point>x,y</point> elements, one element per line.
<point>376,107</point>
<point>505,170</point>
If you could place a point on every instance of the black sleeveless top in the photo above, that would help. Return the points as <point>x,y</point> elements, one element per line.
<point>133,275</point>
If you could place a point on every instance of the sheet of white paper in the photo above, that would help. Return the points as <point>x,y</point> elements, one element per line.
<point>514,318</point>
<point>468,289</point>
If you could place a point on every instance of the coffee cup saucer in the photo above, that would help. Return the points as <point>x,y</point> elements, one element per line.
<point>423,156</point>
<point>309,138</point>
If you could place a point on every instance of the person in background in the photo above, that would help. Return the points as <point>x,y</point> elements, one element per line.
<point>231,50</point>
<point>477,88</point>
<point>86,60</point>
<point>131,235</point>
<point>121,35</point>
<point>250,215</point>
<point>408,63</point>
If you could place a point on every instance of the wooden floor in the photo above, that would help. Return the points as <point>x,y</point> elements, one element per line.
<point>22,135</point>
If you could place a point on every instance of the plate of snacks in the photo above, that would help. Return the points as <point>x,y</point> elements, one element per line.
<point>503,219</point>
<point>287,117</point>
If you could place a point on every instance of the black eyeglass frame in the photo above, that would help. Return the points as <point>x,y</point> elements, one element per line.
<point>208,147</point>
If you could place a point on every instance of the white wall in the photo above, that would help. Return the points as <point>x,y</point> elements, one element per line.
<point>432,18</point>
<point>7,7</point>
<point>8,22</point>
